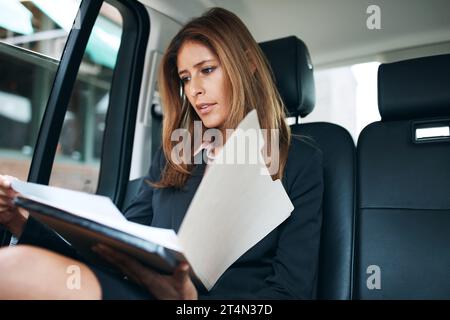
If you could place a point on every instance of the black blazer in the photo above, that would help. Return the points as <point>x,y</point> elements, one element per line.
<point>283,265</point>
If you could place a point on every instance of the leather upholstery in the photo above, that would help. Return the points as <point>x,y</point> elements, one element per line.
<point>293,72</point>
<point>289,59</point>
<point>338,207</point>
<point>416,88</point>
<point>403,207</point>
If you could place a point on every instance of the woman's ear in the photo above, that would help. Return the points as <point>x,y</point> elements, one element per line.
<point>250,61</point>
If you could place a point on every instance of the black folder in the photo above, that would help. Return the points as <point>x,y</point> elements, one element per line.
<point>82,234</point>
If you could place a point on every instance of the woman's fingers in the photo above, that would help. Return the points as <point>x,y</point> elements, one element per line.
<point>5,181</point>
<point>6,207</point>
<point>5,186</point>
<point>6,204</point>
<point>181,273</point>
<point>6,201</point>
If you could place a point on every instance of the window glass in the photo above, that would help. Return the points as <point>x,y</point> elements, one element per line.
<point>32,38</point>
<point>77,161</point>
<point>347,96</point>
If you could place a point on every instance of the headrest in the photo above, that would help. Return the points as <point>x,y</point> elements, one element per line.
<point>417,88</point>
<point>293,71</point>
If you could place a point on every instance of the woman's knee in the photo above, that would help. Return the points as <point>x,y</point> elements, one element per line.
<point>31,272</point>
<point>17,257</point>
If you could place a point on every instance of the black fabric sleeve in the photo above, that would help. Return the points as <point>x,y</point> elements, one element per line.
<point>140,209</point>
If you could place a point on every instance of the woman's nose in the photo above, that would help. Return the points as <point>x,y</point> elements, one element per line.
<point>196,87</point>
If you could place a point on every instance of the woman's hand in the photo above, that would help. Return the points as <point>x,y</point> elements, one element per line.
<point>12,217</point>
<point>177,286</point>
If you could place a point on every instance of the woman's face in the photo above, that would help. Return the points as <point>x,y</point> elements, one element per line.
<point>205,83</point>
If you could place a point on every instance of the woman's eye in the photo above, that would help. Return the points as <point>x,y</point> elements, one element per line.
<point>208,69</point>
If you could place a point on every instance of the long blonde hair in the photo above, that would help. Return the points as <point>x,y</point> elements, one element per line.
<point>250,80</point>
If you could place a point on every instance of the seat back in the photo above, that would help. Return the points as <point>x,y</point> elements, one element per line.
<point>293,71</point>
<point>403,186</point>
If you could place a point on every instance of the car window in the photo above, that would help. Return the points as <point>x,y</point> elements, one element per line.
<point>31,47</point>
<point>347,96</point>
<point>77,161</point>
<point>32,38</point>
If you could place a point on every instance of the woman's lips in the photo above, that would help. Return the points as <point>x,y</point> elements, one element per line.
<point>207,108</point>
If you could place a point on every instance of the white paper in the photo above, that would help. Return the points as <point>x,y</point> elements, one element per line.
<point>234,208</point>
<point>95,208</point>
<point>164,237</point>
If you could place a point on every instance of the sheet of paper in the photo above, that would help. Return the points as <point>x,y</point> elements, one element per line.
<point>165,237</point>
<point>95,208</point>
<point>234,208</point>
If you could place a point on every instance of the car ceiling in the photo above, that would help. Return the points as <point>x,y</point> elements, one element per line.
<point>334,30</point>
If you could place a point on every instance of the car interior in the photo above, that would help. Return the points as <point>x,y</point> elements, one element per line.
<point>386,201</point>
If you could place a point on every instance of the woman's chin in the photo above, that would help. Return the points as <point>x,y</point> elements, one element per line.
<point>211,123</point>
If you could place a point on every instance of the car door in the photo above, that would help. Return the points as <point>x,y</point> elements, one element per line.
<point>81,137</point>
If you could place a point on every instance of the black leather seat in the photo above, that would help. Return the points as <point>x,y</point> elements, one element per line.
<point>403,187</point>
<point>293,71</point>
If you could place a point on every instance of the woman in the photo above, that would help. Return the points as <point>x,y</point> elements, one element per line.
<point>214,72</point>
